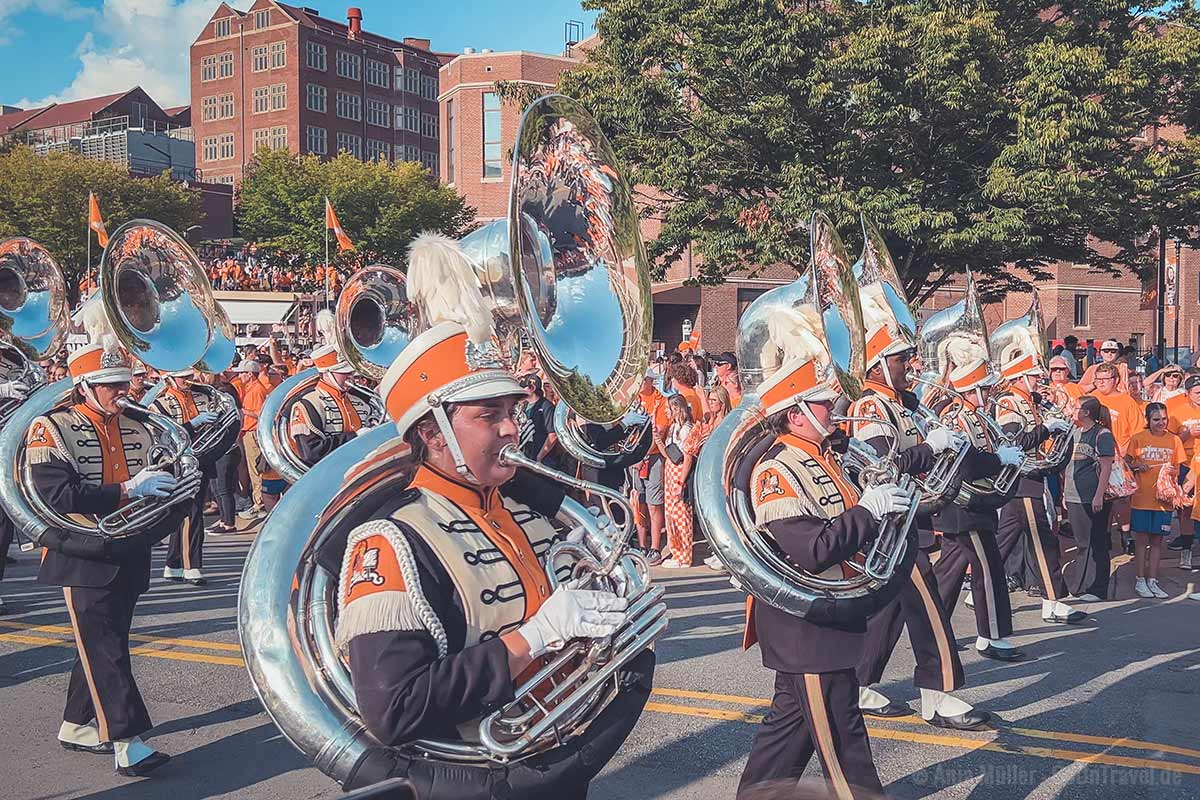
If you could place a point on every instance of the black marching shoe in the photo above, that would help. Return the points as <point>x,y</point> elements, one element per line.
<point>1001,653</point>
<point>103,748</point>
<point>892,709</point>
<point>145,766</point>
<point>968,721</point>
<point>1074,618</point>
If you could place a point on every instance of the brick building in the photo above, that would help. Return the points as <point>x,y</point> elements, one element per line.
<point>282,76</point>
<point>478,135</point>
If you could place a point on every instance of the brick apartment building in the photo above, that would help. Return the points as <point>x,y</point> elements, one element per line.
<point>283,76</point>
<point>478,135</point>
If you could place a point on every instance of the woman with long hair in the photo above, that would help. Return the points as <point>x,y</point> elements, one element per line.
<point>1150,454</point>
<point>675,469</point>
<point>1088,508</point>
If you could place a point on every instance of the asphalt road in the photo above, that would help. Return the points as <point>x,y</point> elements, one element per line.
<point>1109,708</point>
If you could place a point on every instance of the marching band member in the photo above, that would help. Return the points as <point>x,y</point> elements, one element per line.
<point>445,605</point>
<point>969,537</point>
<point>1017,411</point>
<point>137,384</point>
<point>329,415</point>
<point>185,551</point>
<point>95,474</point>
<point>887,397</point>
<point>803,499</point>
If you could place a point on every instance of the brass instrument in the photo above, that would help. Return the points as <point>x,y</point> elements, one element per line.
<point>287,633</point>
<point>819,312</point>
<point>33,314</point>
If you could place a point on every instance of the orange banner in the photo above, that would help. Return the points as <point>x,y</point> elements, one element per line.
<point>332,223</point>
<point>94,220</point>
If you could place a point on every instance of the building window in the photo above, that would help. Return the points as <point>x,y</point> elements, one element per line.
<point>412,152</point>
<point>262,137</point>
<point>221,27</point>
<point>262,99</point>
<point>412,81</point>
<point>429,160</point>
<point>449,141</point>
<point>137,113</point>
<point>349,106</point>
<point>491,135</point>
<point>258,58</point>
<point>208,68</point>
<point>208,108</point>
<point>227,106</point>
<point>349,65</point>
<point>429,126</point>
<point>210,148</point>
<point>429,87</point>
<point>278,55</point>
<point>225,65</point>
<point>350,143</point>
<point>262,19</point>
<point>377,73</point>
<point>225,179</point>
<point>377,150</point>
<point>225,146</point>
<point>411,119</point>
<point>1081,311</point>
<point>318,140</point>
<point>316,56</point>
<point>379,113</point>
<point>278,96</point>
<point>317,97</point>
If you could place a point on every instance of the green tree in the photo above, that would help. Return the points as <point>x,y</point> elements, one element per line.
<point>983,134</point>
<point>281,204</point>
<point>45,198</point>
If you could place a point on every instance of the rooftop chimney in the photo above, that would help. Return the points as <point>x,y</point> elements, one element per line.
<point>354,16</point>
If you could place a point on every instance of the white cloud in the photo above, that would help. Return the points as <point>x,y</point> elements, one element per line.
<point>134,43</point>
<point>68,10</point>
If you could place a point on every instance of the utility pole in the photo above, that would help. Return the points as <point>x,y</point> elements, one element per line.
<point>1178,304</point>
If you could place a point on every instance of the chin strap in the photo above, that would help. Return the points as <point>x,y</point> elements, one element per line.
<point>812,420</point>
<point>443,423</point>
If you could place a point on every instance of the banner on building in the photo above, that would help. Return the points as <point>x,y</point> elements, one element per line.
<point>1171,287</point>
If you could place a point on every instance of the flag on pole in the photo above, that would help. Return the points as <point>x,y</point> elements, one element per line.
<point>332,223</point>
<point>94,220</point>
<point>695,337</point>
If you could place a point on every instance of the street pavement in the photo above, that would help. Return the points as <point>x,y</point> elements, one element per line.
<point>1109,708</point>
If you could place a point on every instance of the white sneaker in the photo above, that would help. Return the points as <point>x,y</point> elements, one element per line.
<point>1089,598</point>
<point>669,563</point>
<point>194,577</point>
<point>1143,590</point>
<point>172,574</point>
<point>253,512</point>
<point>1156,590</point>
<point>714,563</point>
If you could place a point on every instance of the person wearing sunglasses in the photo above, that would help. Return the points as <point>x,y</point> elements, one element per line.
<point>1165,384</point>
<point>1110,351</point>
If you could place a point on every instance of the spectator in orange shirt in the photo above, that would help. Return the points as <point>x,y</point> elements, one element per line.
<point>1061,391</point>
<point>1110,350</point>
<point>254,392</point>
<point>1126,413</point>
<point>1150,453</point>
<point>646,479</point>
<point>1183,419</point>
<point>683,381</point>
<point>726,366</point>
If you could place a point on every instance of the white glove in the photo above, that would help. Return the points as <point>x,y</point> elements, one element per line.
<point>941,439</point>
<point>204,418</point>
<point>1057,425</point>
<point>887,498</point>
<point>634,419</point>
<point>1010,455</point>
<point>573,614</point>
<point>149,483</point>
<point>13,390</point>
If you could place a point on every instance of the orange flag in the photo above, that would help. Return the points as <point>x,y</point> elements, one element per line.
<point>94,220</point>
<point>331,223</point>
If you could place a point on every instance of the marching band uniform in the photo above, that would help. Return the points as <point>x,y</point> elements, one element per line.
<point>327,416</point>
<point>10,389</point>
<point>86,462</point>
<point>801,496</point>
<point>430,585</point>
<point>138,386</point>
<point>969,537</point>
<point>185,550</point>
<point>1025,515</point>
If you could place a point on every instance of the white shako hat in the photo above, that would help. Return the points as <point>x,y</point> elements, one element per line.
<point>327,357</point>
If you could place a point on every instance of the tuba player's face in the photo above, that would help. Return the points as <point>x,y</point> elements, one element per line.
<point>108,395</point>
<point>483,429</point>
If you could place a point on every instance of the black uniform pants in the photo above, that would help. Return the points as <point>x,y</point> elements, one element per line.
<point>817,711</point>
<point>7,531</point>
<point>919,606</point>
<point>102,685</point>
<point>1025,518</point>
<point>989,590</point>
<point>185,550</point>
<point>1088,570</point>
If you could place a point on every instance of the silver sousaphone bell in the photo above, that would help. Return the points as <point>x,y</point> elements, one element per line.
<point>33,314</point>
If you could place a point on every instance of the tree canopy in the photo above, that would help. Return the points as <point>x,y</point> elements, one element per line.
<point>382,207</point>
<point>984,134</point>
<point>45,198</point>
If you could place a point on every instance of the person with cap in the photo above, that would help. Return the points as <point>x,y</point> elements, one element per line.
<point>252,391</point>
<point>137,384</point>
<point>89,458</point>
<point>1183,420</point>
<point>1110,353</point>
<point>185,550</point>
<point>535,420</point>
<point>725,370</point>
<point>329,414</point>
<point>811,509</point>
<point>445,601</point>
<point>887,397</point>
<point>969,535</point>
<point>1024,518</point>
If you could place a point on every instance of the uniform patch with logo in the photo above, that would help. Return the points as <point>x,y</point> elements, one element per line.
<point>373,568</point>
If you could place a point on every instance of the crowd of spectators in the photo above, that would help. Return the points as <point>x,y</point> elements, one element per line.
<point>246,268</point>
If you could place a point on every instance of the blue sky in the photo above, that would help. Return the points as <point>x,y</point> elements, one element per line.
<point>67,49</point>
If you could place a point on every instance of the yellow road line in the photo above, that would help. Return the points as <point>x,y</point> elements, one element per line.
<point>958,742</point>
<point>152,652</point>
<point>200,644</point>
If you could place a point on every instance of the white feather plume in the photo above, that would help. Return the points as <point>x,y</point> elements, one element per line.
<point>875,308</point>
<point>442,281</point>
<point>326,327</point>
<point>960,349</point>
<point>795,335</point>
<point>96,323</point>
